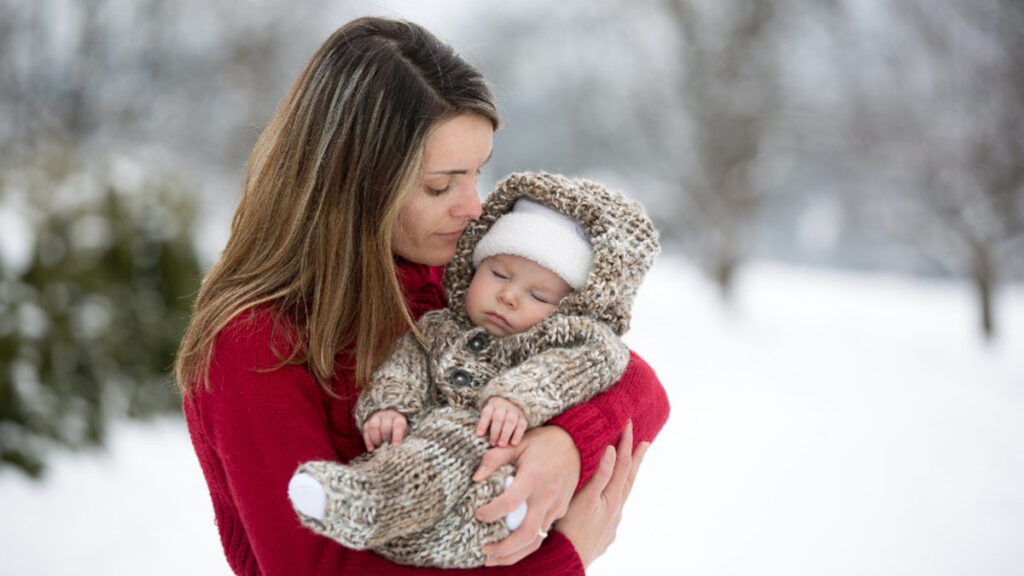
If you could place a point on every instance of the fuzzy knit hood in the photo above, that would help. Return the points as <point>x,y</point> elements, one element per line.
<point>623,239</point>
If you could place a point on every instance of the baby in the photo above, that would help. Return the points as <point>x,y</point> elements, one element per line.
<point>540,288</point>
<point>509,294</point>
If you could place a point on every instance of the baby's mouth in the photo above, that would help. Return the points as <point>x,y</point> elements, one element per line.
<point>499,319</point>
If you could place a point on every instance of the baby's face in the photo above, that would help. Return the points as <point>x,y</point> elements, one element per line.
<point>509,294</point>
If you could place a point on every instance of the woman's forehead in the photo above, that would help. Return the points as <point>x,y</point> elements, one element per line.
<point>459,145</point>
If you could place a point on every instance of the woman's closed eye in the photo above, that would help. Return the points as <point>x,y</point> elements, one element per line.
<point>438,191</point>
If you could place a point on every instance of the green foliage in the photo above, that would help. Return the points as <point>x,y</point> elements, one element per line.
<point>89,328</point>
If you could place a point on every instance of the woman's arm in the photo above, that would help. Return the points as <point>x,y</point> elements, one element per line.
<point>251,429</point>
<point>637,397</point>
<point>400,383</point>
<point>593,517</point>
<point>554,461</point>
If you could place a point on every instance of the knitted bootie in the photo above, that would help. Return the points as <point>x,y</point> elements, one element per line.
<point>458,538</point>
<point>363,505</point>
<point>398,490</point>
<point>308,496</point>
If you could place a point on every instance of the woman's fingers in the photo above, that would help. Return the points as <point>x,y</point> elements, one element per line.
<point>521,538</point>
<point>493,459</point>
<point>516,556</point>
<point>599,481</point>
<point>547,470</point>
<point>595,511</point>
<point>506,502</point>
<point>638,458</point>
<point>623,466</point>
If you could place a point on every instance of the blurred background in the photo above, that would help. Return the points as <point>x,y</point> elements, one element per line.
<point>866,138</point>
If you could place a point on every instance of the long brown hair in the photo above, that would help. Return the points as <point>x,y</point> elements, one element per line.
<point>311,237</point>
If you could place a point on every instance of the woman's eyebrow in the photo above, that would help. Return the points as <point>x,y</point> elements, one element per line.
<point>458,171</point>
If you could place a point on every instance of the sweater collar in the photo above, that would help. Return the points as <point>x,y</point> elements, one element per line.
<point>416,278</point>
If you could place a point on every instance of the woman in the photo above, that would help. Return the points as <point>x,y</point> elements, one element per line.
<point>355,195</point>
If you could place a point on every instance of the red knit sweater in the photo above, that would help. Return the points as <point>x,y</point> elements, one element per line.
<point>253,427</point>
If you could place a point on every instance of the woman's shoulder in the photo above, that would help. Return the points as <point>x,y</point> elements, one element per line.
<point>251,359</point>
<point>258,334</point>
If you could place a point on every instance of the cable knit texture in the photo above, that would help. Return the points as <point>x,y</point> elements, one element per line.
<point>413,503</point>
<point>622,237</point>
<point>254,424</point>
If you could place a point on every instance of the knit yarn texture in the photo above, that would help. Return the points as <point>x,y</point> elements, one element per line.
<point>414,503</point>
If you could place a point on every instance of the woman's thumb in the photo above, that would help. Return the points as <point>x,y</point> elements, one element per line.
<point>493,459</point>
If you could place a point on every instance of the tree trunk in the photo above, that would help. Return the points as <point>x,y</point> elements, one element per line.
<point>984,277</point>
<point>723,271</point>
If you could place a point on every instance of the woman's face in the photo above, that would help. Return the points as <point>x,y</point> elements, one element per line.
<point>445,199</point>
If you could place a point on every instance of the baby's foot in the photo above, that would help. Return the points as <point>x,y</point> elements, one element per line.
<point>307,495</point>
<point>337,501</point>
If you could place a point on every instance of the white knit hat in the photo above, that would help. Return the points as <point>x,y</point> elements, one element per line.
<point>538,233</point>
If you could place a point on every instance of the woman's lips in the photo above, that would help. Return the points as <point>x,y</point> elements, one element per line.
<point>452,235</point>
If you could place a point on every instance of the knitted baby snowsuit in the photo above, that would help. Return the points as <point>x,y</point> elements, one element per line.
<point>400,501</point>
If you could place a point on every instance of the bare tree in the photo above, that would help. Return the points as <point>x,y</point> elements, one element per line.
<point>730,89</point>
<point>189,78</point>
<point>678,99</point>
<point>944,133</point>
<point>114,112</point>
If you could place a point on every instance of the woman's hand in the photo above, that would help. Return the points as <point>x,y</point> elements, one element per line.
<point>595,511</point>
<point>547,471</point>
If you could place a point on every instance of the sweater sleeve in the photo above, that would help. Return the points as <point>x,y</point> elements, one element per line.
<point>637,396</point>
<point>587,359</point>
<point>252,427</point>
<point>400,383</point>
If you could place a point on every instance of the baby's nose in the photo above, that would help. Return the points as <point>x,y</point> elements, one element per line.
<point>508,297</point>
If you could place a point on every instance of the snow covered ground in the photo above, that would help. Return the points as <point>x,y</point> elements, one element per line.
<point>829,424</point>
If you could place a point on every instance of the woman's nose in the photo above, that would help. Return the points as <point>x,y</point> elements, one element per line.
<point>467,202</point>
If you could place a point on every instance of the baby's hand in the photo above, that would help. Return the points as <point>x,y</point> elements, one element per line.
<point>384,426</point>
<point>506,421</point>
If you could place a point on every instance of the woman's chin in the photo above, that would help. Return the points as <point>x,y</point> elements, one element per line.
<point>429,257</point>
<point>440,259</point>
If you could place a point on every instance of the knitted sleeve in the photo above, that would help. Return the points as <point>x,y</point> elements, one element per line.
<point>637,396</point>
<point>578,359</point>
<point>402,382</point>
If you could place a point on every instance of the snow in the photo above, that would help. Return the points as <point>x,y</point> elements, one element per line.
<point>829,423</point>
